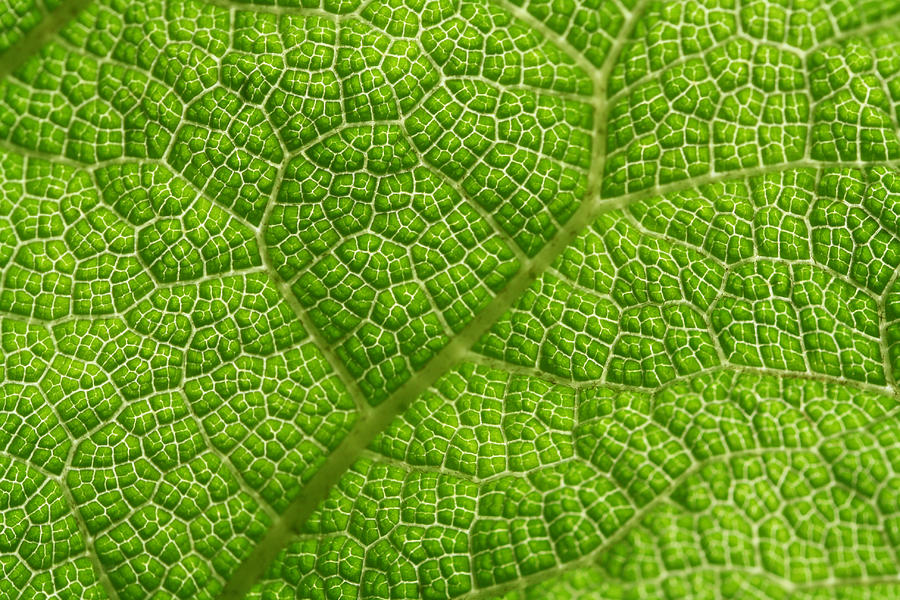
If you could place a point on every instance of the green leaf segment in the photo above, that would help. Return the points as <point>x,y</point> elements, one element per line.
<point>438,299</point>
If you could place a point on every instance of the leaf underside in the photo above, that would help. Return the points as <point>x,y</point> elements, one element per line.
<point>449,299</point>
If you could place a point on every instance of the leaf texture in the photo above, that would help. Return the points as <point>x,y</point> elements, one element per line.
<point>449,299</point>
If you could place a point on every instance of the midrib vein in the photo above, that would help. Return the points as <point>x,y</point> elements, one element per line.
<point>370,424</point>
<point>31,43</point>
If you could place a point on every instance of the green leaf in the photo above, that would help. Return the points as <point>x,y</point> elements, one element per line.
<point>449,299</point>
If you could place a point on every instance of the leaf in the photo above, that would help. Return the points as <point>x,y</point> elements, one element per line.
<point>449,299</point>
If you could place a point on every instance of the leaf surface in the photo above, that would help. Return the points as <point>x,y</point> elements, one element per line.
<point>449,299</point>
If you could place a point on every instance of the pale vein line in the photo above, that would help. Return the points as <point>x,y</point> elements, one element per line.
<point>92,555</point>
<point>53,22</point>
<point>11,59</point>
<point>300,11</point>
<point>284,287</point>
<point>369,425</point>
<point>634,522</point>
<point>535,372</point>
<point>861,31</point>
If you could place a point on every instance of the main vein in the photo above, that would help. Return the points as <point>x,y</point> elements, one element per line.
<point>35,39</point>
<point>369,425</point>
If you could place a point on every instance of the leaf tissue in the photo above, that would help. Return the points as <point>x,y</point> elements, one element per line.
<point>449,299</point>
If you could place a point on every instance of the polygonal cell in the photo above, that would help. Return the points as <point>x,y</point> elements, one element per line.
<point>521,156</point>
<point>44,552</point>
<point>228,150</point>
<point>182,234</point>
<point>74,256</point>
<point>167,516</point>
<point>265,399</point>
